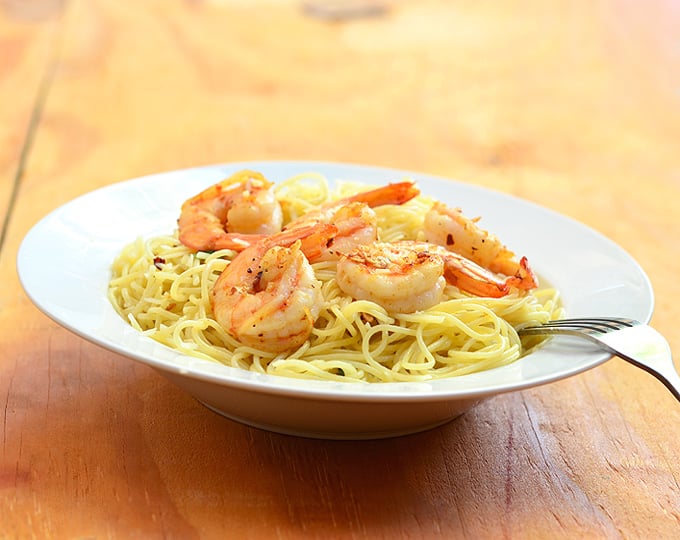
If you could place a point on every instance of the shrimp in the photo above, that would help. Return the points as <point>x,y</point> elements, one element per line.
<point>354,217</point>
<point>409,276</point>
<point>448,227</point>
<point>268,296</point>
<point>232,214</point>
<point>356,224</point>
<point>399,276</point>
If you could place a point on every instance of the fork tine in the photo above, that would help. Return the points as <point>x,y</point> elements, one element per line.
<point>598,324</point>
<point>618,321</point>
<point>586,326</point>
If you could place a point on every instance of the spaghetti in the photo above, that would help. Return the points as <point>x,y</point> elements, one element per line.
<point>162,288</point>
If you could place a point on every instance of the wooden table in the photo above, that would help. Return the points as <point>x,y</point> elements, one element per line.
<point>572,104</point>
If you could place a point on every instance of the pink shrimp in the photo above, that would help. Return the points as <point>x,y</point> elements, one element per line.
<point>268,296</point>
<point>232,214</point>
<point>409,276</point>
<point>448,227</point>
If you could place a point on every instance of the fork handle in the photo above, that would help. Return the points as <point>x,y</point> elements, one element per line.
<point>666,374</point>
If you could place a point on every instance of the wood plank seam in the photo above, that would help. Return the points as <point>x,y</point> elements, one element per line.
<point>33,122</point>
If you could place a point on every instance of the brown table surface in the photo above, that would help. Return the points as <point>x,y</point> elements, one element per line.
<point>574,105</point>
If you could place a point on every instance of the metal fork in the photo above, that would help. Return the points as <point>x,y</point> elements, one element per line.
<point>629,339</point>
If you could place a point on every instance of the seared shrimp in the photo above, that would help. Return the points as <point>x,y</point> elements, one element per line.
<point>410,276</point>
<point>268,296</point>
<point>354,218</point>
<point>232,214</point>
<point>448,227</point>
<point>400,276</point>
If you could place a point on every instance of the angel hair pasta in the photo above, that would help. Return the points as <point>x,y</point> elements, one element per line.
<point>361,285</point>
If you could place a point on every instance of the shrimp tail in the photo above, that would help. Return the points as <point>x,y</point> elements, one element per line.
<point>524,278</point>
<point>472,278</point>
<point>314,238</point>
<point>397,193</point>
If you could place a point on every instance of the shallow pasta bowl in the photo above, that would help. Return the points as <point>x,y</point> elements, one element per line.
<point>82,238</point>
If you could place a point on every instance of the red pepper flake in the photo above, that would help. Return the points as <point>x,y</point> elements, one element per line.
<point>158,262</point>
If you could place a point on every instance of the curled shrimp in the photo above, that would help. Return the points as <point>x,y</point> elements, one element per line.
<point>448,227</point>
<point>354,217</point>
<point>231,214</point>
<point>409,276</point>
<point>268,296</point>
<point>400,276</point>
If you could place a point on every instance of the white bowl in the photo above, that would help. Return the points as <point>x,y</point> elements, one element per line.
<point>81,239</point>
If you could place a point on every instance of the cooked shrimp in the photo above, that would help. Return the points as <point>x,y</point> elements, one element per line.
<point>472,278</point>
<point>410,276</point>
<point>232,214</point>
<point>448,227</point>
<point>354,218</point>
<point>399,276</point>
<point>268,296</point>
<point>357,224</point>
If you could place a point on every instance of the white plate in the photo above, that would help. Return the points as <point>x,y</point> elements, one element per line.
<point>64,263</point>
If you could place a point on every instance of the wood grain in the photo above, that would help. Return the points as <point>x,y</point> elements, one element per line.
<point>27,55</point>
<point>573,105</point>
